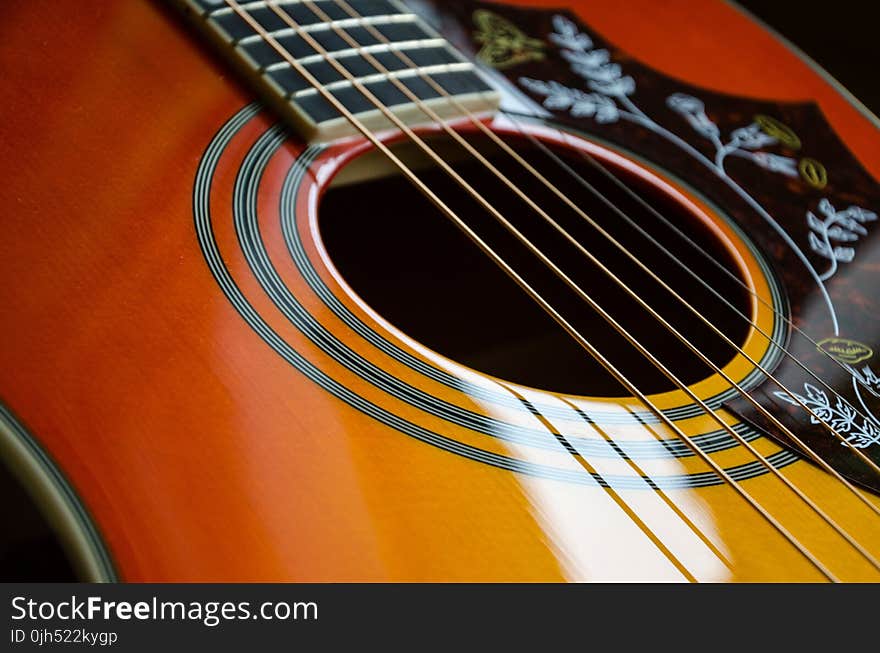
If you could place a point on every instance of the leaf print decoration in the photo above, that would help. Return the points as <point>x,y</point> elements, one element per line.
<point>503,43</point>
<point>829,234</point>
<point>843,418</point>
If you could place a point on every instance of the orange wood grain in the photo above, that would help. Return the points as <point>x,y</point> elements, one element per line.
<point>200,454</point>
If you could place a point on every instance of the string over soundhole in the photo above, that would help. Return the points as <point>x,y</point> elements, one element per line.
<point>421,274</point>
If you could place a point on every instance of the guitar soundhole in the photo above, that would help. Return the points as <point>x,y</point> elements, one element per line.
<point>416,269</point>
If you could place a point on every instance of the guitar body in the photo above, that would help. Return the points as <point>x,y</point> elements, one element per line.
<point>196,392</point>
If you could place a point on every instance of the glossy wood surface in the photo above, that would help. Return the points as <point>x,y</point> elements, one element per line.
<point>200,454</point>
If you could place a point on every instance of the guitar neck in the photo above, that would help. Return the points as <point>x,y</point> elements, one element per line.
<point>321,63</point>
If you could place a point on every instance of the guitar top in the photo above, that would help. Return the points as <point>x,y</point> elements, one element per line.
<point>369,290</point>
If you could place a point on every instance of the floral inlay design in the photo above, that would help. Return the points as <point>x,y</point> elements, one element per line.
<point>504,44</point>
<point>836,227</point>
<point>867,378</point>
<point>608,98</point>
<point>841,416</point>
<point>605,79</point>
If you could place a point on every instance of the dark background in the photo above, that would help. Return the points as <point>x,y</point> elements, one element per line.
<point>842,36</point>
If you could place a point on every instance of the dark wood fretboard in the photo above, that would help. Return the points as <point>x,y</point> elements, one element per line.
<point>381,29</point>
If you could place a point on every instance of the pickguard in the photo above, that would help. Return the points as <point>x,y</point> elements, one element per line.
<point>776,168</point>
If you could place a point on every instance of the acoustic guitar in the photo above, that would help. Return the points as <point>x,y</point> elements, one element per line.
<point>365,290</point>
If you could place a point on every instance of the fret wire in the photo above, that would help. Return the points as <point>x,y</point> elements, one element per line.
<point>397,74</point>
<point>264,4</point>
<point>390,19</point>
<point>412,44</point>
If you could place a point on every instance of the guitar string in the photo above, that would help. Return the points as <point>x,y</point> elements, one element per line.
<point>501,143</point>
<point>615,495</point>
<point>657,490</point>
<point>500,262</point>
<point>653,537</point>
<point>596,164</point>
<point>761,409</point>
<point>644,351</point>
<point>403,57</point>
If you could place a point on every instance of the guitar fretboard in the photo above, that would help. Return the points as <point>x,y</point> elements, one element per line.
<point>382,29</point>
